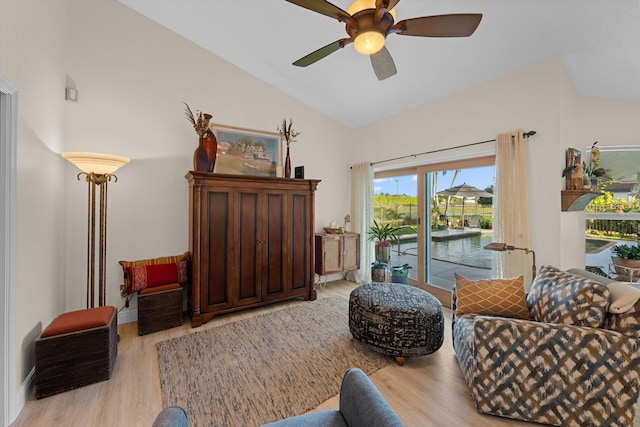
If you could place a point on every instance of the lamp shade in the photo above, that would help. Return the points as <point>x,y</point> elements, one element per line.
<point>96,163</point>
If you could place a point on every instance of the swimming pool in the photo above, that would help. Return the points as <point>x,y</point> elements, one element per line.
<point>466,250</point>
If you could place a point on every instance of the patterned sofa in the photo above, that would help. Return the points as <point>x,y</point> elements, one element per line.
<point>570,361</point>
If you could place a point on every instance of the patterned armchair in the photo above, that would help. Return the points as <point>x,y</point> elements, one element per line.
<point>573,364</point>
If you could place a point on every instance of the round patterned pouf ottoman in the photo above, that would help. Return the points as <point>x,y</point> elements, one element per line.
<point>396,319</point>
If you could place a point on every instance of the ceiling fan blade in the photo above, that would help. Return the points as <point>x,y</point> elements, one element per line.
<point>320,53</point>
<point>455,25</point>
<point>390,3</point>
<point>323,7</point>
<point>383,64</point>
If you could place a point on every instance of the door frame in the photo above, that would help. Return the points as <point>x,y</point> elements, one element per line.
<point>8,226</point>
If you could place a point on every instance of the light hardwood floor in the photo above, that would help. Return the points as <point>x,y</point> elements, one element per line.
<point>426,391</point>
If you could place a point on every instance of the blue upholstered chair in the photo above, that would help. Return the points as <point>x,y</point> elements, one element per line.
<point>173,416</point>
<point>361,405</point>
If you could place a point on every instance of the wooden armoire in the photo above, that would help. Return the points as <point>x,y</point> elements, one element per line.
<point>251,242</point>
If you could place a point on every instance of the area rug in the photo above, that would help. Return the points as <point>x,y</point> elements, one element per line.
<point>269,367</point>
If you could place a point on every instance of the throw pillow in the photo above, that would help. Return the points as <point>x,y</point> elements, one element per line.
<point>491,297</point>
<point>623,296</point>
<point>181,260</point>
<point>147,276</point>
<point>558,296</point>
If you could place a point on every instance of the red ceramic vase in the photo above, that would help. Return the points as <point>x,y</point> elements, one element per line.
<point>204,157</point>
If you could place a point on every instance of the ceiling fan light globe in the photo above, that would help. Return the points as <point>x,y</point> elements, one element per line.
<point>360,5</point>
<point>369,42</point>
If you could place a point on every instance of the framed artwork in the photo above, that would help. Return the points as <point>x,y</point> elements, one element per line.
<point>246,151</point>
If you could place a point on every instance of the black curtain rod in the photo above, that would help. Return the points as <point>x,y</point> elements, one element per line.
<point>526,135</point>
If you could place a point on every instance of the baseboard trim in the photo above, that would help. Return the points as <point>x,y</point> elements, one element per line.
<point>25,391</point>
<point>127,316</point>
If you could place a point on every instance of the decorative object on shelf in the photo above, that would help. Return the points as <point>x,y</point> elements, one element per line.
<point>573,171</point>
<point>299,171</point>
<point>592,167</point>
<point>204,157</point>
<point>286,131</point>
<point>501,247</point>
<point>98,169</point>
<point>347,218</point>
<point>333,230</point>
<point>247,152</point>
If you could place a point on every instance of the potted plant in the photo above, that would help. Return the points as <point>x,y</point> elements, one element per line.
<point>382,235</point>
<point>627,261</point>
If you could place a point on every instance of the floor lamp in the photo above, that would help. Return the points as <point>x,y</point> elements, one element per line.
<point>98,170</point>
<point>501,247</point>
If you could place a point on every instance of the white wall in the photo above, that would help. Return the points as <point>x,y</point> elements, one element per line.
<point>132,79</point>
<point>33,61</point>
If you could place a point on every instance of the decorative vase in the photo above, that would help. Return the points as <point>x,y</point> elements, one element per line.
<point>287,165</point>
<point>211,147</point>
<point>586,181</point>
<point>204,157</point>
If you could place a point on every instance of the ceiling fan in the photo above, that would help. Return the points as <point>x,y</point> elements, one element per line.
<point>369,22</point>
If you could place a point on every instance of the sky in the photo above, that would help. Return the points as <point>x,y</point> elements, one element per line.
<point>477,177</point>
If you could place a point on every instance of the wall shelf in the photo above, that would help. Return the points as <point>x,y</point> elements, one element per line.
<point>577,200</point>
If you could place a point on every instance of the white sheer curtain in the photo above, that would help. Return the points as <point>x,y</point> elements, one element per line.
<point>511,206</point>
<point>362,216</point>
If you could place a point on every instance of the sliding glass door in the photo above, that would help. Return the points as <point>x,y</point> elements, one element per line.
<point>439,235</point>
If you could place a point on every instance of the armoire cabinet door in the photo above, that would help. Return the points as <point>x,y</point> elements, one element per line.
<point>301,255</point>
<point>274,256</point>
<point>214,259</point>
<point>249,248</point>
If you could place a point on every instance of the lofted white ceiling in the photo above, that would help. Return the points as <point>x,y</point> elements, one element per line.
<point>598,41</point>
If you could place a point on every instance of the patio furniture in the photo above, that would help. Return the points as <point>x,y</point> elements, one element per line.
<point>474,221</point>
<point>396,319</point>
<point>78,348</point>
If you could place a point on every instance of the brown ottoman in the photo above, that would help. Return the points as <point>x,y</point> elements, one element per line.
<point>77,349</point>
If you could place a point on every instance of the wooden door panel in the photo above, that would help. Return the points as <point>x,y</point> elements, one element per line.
<point>300,241</point>
<point>215,257</point>
<point>275,233</point>
<point>249,248</point>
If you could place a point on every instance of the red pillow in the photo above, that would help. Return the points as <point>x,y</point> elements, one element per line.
<point>147,276</point>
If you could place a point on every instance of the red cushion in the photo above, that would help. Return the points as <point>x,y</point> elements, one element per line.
<point>146,276</point>
<point>79,320</point>
<point>160,288</point>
